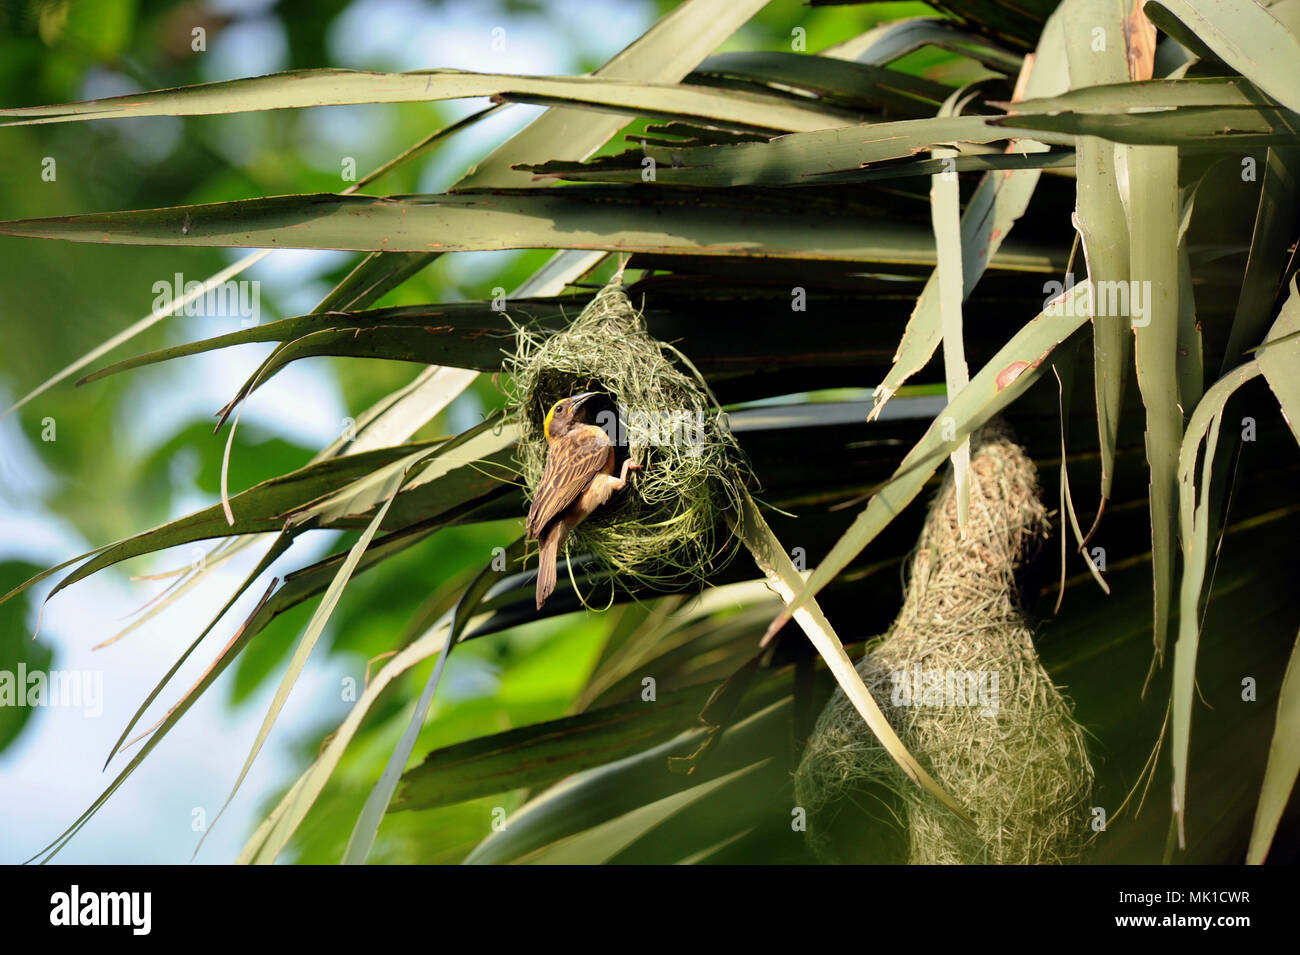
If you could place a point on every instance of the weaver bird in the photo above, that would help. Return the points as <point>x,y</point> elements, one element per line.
<point>577,479</point>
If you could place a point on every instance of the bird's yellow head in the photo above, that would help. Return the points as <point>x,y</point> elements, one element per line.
<point>563,414</point>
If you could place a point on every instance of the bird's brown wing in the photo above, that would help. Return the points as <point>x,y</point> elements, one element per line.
<point>571,463</point>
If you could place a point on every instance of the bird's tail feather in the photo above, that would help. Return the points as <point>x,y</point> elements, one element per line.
<point>546,568</point>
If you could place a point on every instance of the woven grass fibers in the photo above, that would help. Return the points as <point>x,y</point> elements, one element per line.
<point>959,679</point>
<point>668,528</point>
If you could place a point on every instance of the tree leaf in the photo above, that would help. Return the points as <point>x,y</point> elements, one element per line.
<point>1006,376</point>
<point>362,839</point>
<point>600,843</point>
<point>614,789</point>
<point>1099,215</point>
<point>1221,127</point>
<point>945,210</point>
<point>539,754</point>
<point>998,202</point>
<point>1283,763</point>
<point>1243,34</point>
<point>854,84</point>
<point>1193,514</point>
<point>307,643</point>
<point>1275,224</point>
<point>1151,200</point>
<point>332,87</point>
<point>797,159</point>
<point>775,563</point>
<point>1108,93</point>
<point>720,223</point>
<point>1278,360</point>
<point>664,54</point>
<point>897,38</point>
<point>262,508</point>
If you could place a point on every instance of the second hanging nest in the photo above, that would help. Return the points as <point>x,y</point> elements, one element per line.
<point>960,681</point>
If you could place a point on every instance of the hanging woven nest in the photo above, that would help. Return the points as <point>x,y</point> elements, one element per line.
<point>959,680</point>
<point>668,529</point>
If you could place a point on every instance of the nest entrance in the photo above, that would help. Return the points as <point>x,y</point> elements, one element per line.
<point>667,529</point>
<point>959,679</point>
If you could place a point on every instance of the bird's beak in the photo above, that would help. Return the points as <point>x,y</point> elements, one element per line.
<point>576,401</point>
